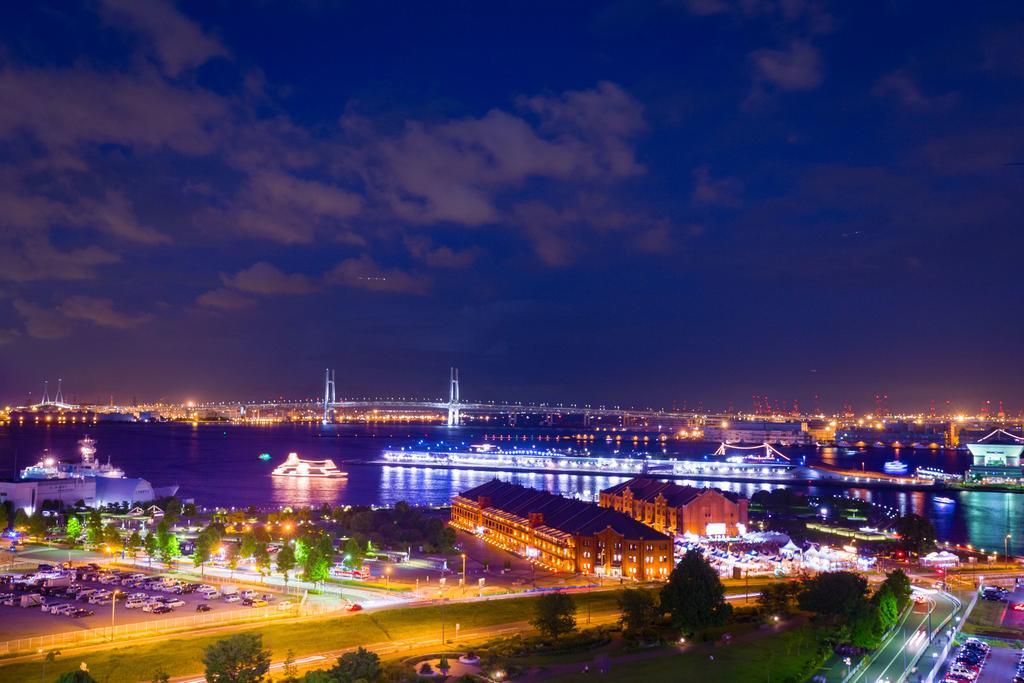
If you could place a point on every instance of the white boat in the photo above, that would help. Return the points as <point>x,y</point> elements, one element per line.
<point>295,466</point>
<point>943,500</point>
<point>51,468</point>
<point>895,467</point>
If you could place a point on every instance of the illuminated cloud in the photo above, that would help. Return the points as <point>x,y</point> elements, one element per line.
<point>263,278</point>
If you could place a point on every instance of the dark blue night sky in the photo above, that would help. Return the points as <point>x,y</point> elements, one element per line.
<point>630,202</point>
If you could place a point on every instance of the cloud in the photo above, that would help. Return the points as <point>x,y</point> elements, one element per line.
<point>138,110</point>
<point>364,273</point>
<point>7,336</point>
<point>708,191</point>
<point>899,86</point>
<point>32,257</point>
<point>42,323</point>
<point>560,234</point>
<point>224,299</point>
<point>439,257</point>
<point>798,67</point>
<point>100,312</point>
<point>811,15</point>
<point>177,41</point>
<point>458,171</point>
<point>263,278</point>
<point>278,206</point>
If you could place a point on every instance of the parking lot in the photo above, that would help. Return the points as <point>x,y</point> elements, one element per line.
<point>141,598</point>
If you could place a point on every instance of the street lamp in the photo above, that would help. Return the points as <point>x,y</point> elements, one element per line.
<point>1006,547</point>
<point>113,605</point>
<point>387,578</point>
<point>463,573</point>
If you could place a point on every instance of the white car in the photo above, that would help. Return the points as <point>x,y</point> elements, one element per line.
<point>174,602</point>
<point>248,594</point>
<point>64,610</point>
<point>233,598</point>
<point>134,603</point>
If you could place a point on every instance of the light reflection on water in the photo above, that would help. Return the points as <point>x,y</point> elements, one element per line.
<point>219,465</point>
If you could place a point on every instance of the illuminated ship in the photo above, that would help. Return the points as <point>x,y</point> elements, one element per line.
<point>295,466</point>
<point>51,468</point>
<point>895,467</point>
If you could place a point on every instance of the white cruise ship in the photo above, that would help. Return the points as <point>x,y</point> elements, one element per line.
<point>51,468</point>
<point>295,466</point>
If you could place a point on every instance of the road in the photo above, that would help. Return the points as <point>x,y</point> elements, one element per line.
<point>907,642</point>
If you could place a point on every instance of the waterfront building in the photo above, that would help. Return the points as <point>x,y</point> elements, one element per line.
<point>893,435</point>
<point>563,534</point>
<point>758,432</point>
<point>675,509</point>
<point>996,459</point>
<point>29,494</point>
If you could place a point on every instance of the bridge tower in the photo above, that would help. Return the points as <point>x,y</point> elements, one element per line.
<point>60,394</point>
<point>454,416</point>
<point>46,392</point>
<point>329,392</point>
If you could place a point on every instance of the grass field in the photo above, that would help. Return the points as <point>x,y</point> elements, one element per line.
<point>986,619</point>
<point>182,655</point>
<point>779,657</point>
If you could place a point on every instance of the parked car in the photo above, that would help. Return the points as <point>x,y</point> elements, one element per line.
<point>354,607</point>
<point>203,607</point>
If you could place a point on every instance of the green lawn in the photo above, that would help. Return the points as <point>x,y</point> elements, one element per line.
<point>986,619</point>
<point>779,657</point>
<point>181,655</point>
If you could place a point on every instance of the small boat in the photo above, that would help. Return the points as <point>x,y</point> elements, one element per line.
<point>295,466</point>
<point>895,467</point>
<point>942,500</point>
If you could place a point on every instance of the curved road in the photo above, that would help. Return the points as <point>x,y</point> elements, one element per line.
<point>907,642</point>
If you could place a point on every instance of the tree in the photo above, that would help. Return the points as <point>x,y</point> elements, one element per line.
<point>38,524</point>
<point>354,552</point>
<point>316,565</point>
<point>289,671</point>
<point>361,665</point>
<point>189,510</point>
<point>170,550</point>
<point>899,584</point>
<point>261,557</point>
<point>779,598</point>
<point>202,551</point>
<point>916,533</point>
<point>94,528</point>
<point>238,659</point>
<point>318,676</point>
<point>248,548</point>
<point>134,544</point>
<point>694,596</point>
<point>285,561</point>
<point>161,676</point>
<point>833,594</point>
<point>20,520</point>
<point>111,536</point>
<point>444,667</point>
<point>232,557</point>
<point>4,518</point>
<point>886,609</point>
<point>152,546</point>
<point>81,675</point>
<point>639,611</point>
<point>554,615</point>
<point>72,530</point>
